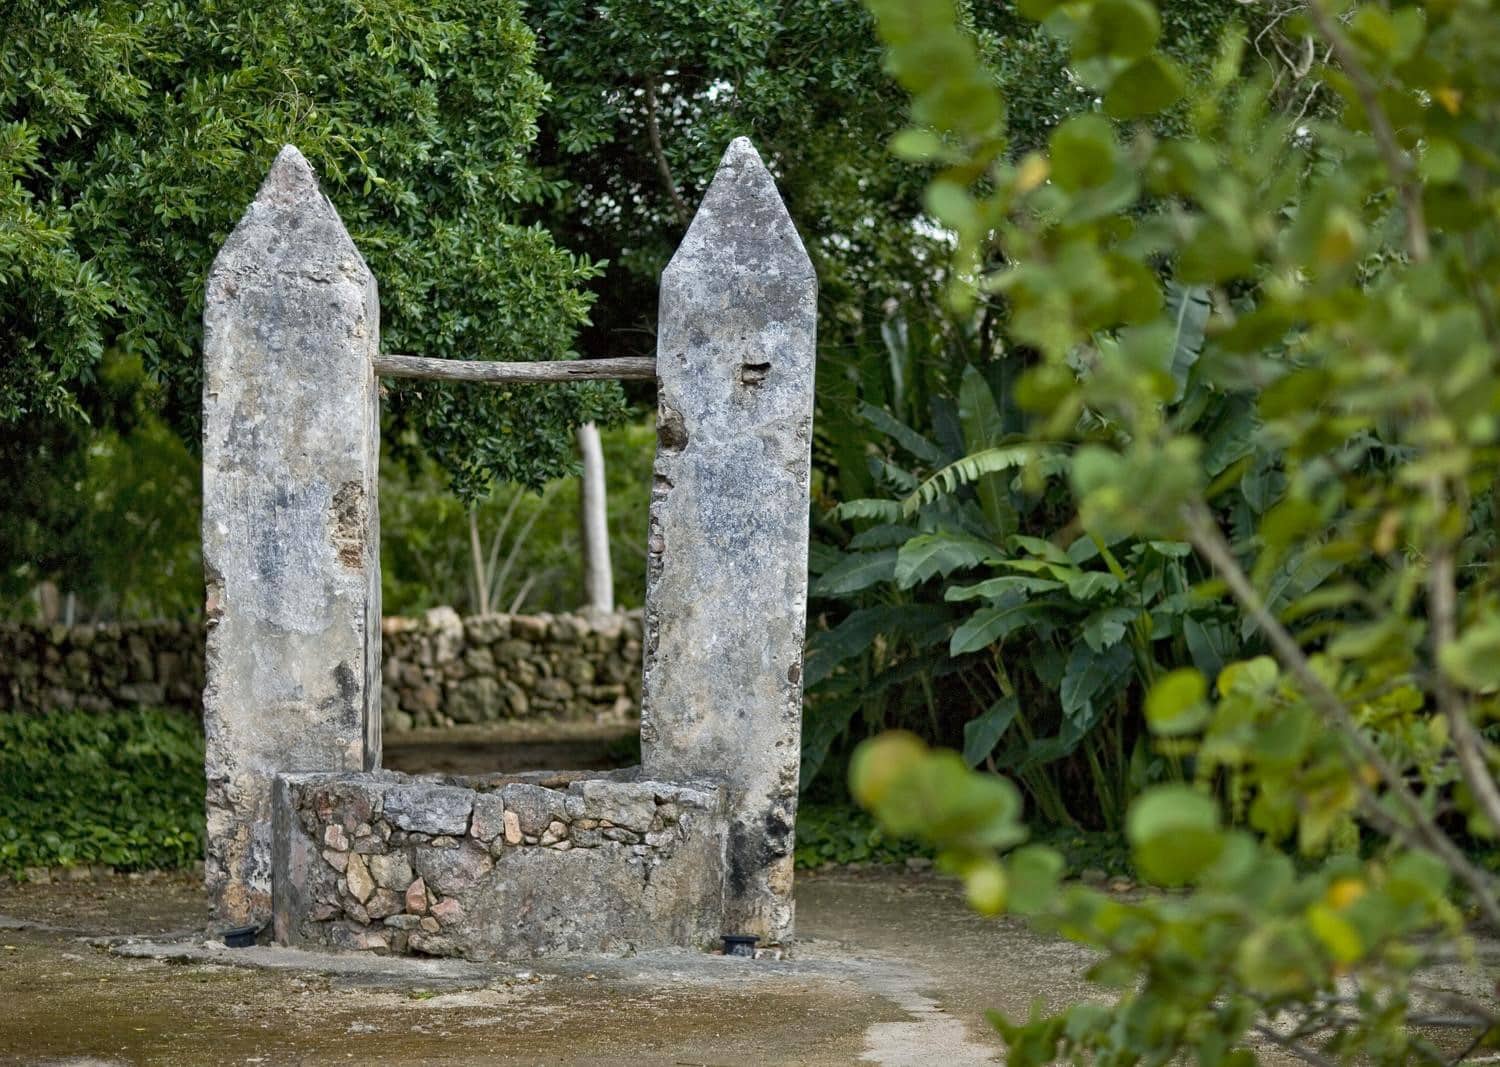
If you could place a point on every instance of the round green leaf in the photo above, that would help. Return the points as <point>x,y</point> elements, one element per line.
<point>1175,703</point>
<point>1083,153</point>
<point>1124,29</point>
<point>916,145</point>
<point>1150,84</point>
<point>1441,161</point>
<point>1174,831</point>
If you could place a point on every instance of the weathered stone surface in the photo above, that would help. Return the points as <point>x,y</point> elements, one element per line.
<point>357,875</point>
<point>727,567</point>
<point>290,535</point>
<point>391,871</point>
<point>475,700</point>
<point>452,870</point>
<point>534,807</point>
<point>626,804</point>
<point>621,893</point>
<point>488,821</point>
<point>429,809</point>
<point>384,902</point>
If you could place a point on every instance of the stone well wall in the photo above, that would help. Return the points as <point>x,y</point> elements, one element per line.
<point>438,668</point>
<point>510,866</point>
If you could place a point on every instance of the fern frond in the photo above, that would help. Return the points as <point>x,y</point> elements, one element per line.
<point>976,466</point>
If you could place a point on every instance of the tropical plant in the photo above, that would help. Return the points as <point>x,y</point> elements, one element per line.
<point>1044,634</point>
<point>1350,262</point>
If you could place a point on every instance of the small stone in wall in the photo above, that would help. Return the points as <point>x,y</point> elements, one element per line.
<point>361,885</point>
<point>554,833</point>
<point>447,911</point>
<point>337,860</point>
<point>534,806</point>
<point>416,897</point>
<point>630,806</point>
<point>452,870</point>
<point>478,699</point>
<point>488,822</point>
<point>430,809</point>
<point>335,838</point>
<point>391,871</point>
<point>384,902</point>
<point>512,828</point>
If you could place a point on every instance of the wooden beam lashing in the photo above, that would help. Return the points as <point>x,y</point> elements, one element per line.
<point>562,370</point>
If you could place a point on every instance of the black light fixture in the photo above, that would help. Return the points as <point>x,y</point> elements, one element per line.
<point>740,945</point>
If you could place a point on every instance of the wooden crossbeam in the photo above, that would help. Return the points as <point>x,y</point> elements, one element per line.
<point>561,370</point>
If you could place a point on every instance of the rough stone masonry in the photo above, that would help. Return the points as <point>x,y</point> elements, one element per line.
<point>726,586</point>
<point>290,533</point>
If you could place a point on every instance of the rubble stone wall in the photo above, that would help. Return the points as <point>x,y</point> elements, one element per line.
<point>438,668</point>
<point>497,866</point>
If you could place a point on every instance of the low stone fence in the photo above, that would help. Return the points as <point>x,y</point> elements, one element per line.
<point>109,667</point>
<point>438,668</point>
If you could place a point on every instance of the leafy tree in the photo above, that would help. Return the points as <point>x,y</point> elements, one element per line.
<point>646,94</point>
<point>132,136</point>
<point>1350,262</point>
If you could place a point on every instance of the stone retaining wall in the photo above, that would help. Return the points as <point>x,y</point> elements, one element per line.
<point>438,669</point>
<point>109,667</point>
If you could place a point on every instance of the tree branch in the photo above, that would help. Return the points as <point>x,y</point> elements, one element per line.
<point>1422,831</point>
<point>1403,173</point>
<point>1442,608</point>
<point>1302,1052</point>
<point>653,131</point>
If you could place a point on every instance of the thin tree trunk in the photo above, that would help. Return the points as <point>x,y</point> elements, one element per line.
<point>481,580</point>
<point>598,574</point>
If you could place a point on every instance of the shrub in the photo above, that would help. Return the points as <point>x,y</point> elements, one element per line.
<point>122,790</point>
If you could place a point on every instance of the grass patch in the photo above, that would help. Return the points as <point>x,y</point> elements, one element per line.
<point>124,790</point>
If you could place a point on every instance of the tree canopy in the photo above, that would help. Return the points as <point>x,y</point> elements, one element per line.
<point>132,137</point>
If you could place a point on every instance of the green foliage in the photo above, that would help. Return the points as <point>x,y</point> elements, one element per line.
<point>132,137</point>
<point>122,790</point>
<point>842,833</point>
<point>426,555</point>
<point>1342,271</point>
<point>982,573</point>
<point>106,512</point>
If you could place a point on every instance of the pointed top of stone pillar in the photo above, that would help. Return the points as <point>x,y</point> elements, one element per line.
<point>291,179</point>
<point>290,222</point>
<point>742,222</point>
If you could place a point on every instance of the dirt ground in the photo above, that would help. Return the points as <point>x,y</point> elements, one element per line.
<point>890,968</point>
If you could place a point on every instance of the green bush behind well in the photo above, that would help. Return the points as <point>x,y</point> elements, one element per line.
<point>121,790</point>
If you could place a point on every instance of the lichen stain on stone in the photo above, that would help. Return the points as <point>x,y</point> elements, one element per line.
<point>348,515</point>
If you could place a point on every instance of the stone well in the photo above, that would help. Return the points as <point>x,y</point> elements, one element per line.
<point>304,828</point>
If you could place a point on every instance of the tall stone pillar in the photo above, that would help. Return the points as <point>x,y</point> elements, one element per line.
<point>290,532</point>
<point>726,589</point>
